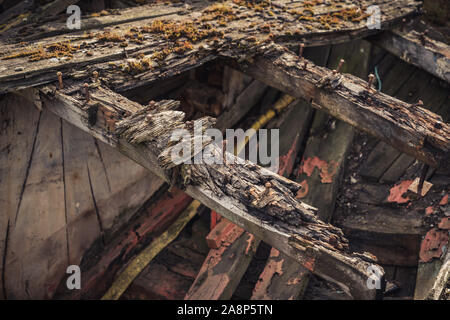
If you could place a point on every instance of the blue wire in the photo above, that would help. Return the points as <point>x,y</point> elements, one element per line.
<point>378,78</point>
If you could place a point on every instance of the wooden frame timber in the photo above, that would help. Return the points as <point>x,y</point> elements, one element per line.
<point>283,221</point>
<point>418,46</point>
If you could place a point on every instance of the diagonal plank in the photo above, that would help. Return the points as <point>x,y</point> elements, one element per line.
<point>407,127</point>
<point>142,51</point>
<point>274,215</point>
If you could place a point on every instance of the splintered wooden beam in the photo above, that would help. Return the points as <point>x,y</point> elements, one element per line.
<point>232,249</point>
<point>417,44</point>
<point>261,202</point>
<point>409,128</point>
<point>140,50</point>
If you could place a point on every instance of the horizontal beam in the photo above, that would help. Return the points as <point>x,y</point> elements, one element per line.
<point>409,128</point>
<point>261,202</point>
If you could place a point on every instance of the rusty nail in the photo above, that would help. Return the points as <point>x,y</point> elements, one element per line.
<point>86,91</point>
<point>300,52</point>
<point>95,73</point>
<point>268,185</point>
<point>59,74</point>
<point>420,103</point>
<point>341,63</point>
<point>370,82</point>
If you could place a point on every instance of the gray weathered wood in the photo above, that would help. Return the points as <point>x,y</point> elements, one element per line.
<point>409,128</point>
<point>413,45</point>
<point>293,220</point>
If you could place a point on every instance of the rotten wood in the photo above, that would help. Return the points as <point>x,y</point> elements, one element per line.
<point>227,262</point>
<point>102,263</point>
<point>408,127</point>
<point>277,216</point>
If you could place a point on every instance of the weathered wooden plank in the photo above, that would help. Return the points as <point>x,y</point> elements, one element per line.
<point>101,263</point>
<point>224,267</point>
<point>282,275</point>
<point>325,150</point>
<point>287,232</point>
<point>137,265</point>
<point>416,45</point>
<point>409,128</point>
<point>227,263</point>
<point>37,245</point>
<point>186,40</point>
<point>84,225</point>
<point>17,139</point>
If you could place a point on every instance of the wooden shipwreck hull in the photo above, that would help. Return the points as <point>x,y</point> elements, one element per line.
<point>87,178</point>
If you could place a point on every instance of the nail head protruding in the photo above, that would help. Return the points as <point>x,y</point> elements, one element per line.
<point>59,74</point>
<point>370,82</point>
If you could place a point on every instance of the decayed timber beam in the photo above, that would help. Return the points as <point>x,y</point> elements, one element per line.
<point>418,47</point>
<point>408,127</point>
<point>139,52</point>
<point>261,202</point>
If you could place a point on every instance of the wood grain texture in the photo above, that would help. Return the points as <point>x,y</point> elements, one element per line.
<point>118,54</point>
<point>146,145</point>
<point>50,171</point>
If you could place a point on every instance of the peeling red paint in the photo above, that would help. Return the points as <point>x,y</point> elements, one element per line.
<point>309,264</point>
<point>219,233</point>
<point>444,201</point>
<point>432,245</point>
<point>273,267</point>
<point>287,161</point>
<point>326,170</point>
<point>445,223</point>
<point>303,190</point>
<point>397,191</point>
<point>429,211</point>
<point>250,241</point>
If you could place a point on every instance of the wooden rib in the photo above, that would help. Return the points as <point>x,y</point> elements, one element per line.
<point>409,128</point>
<point>415,46</point>
<point>283,222</point>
